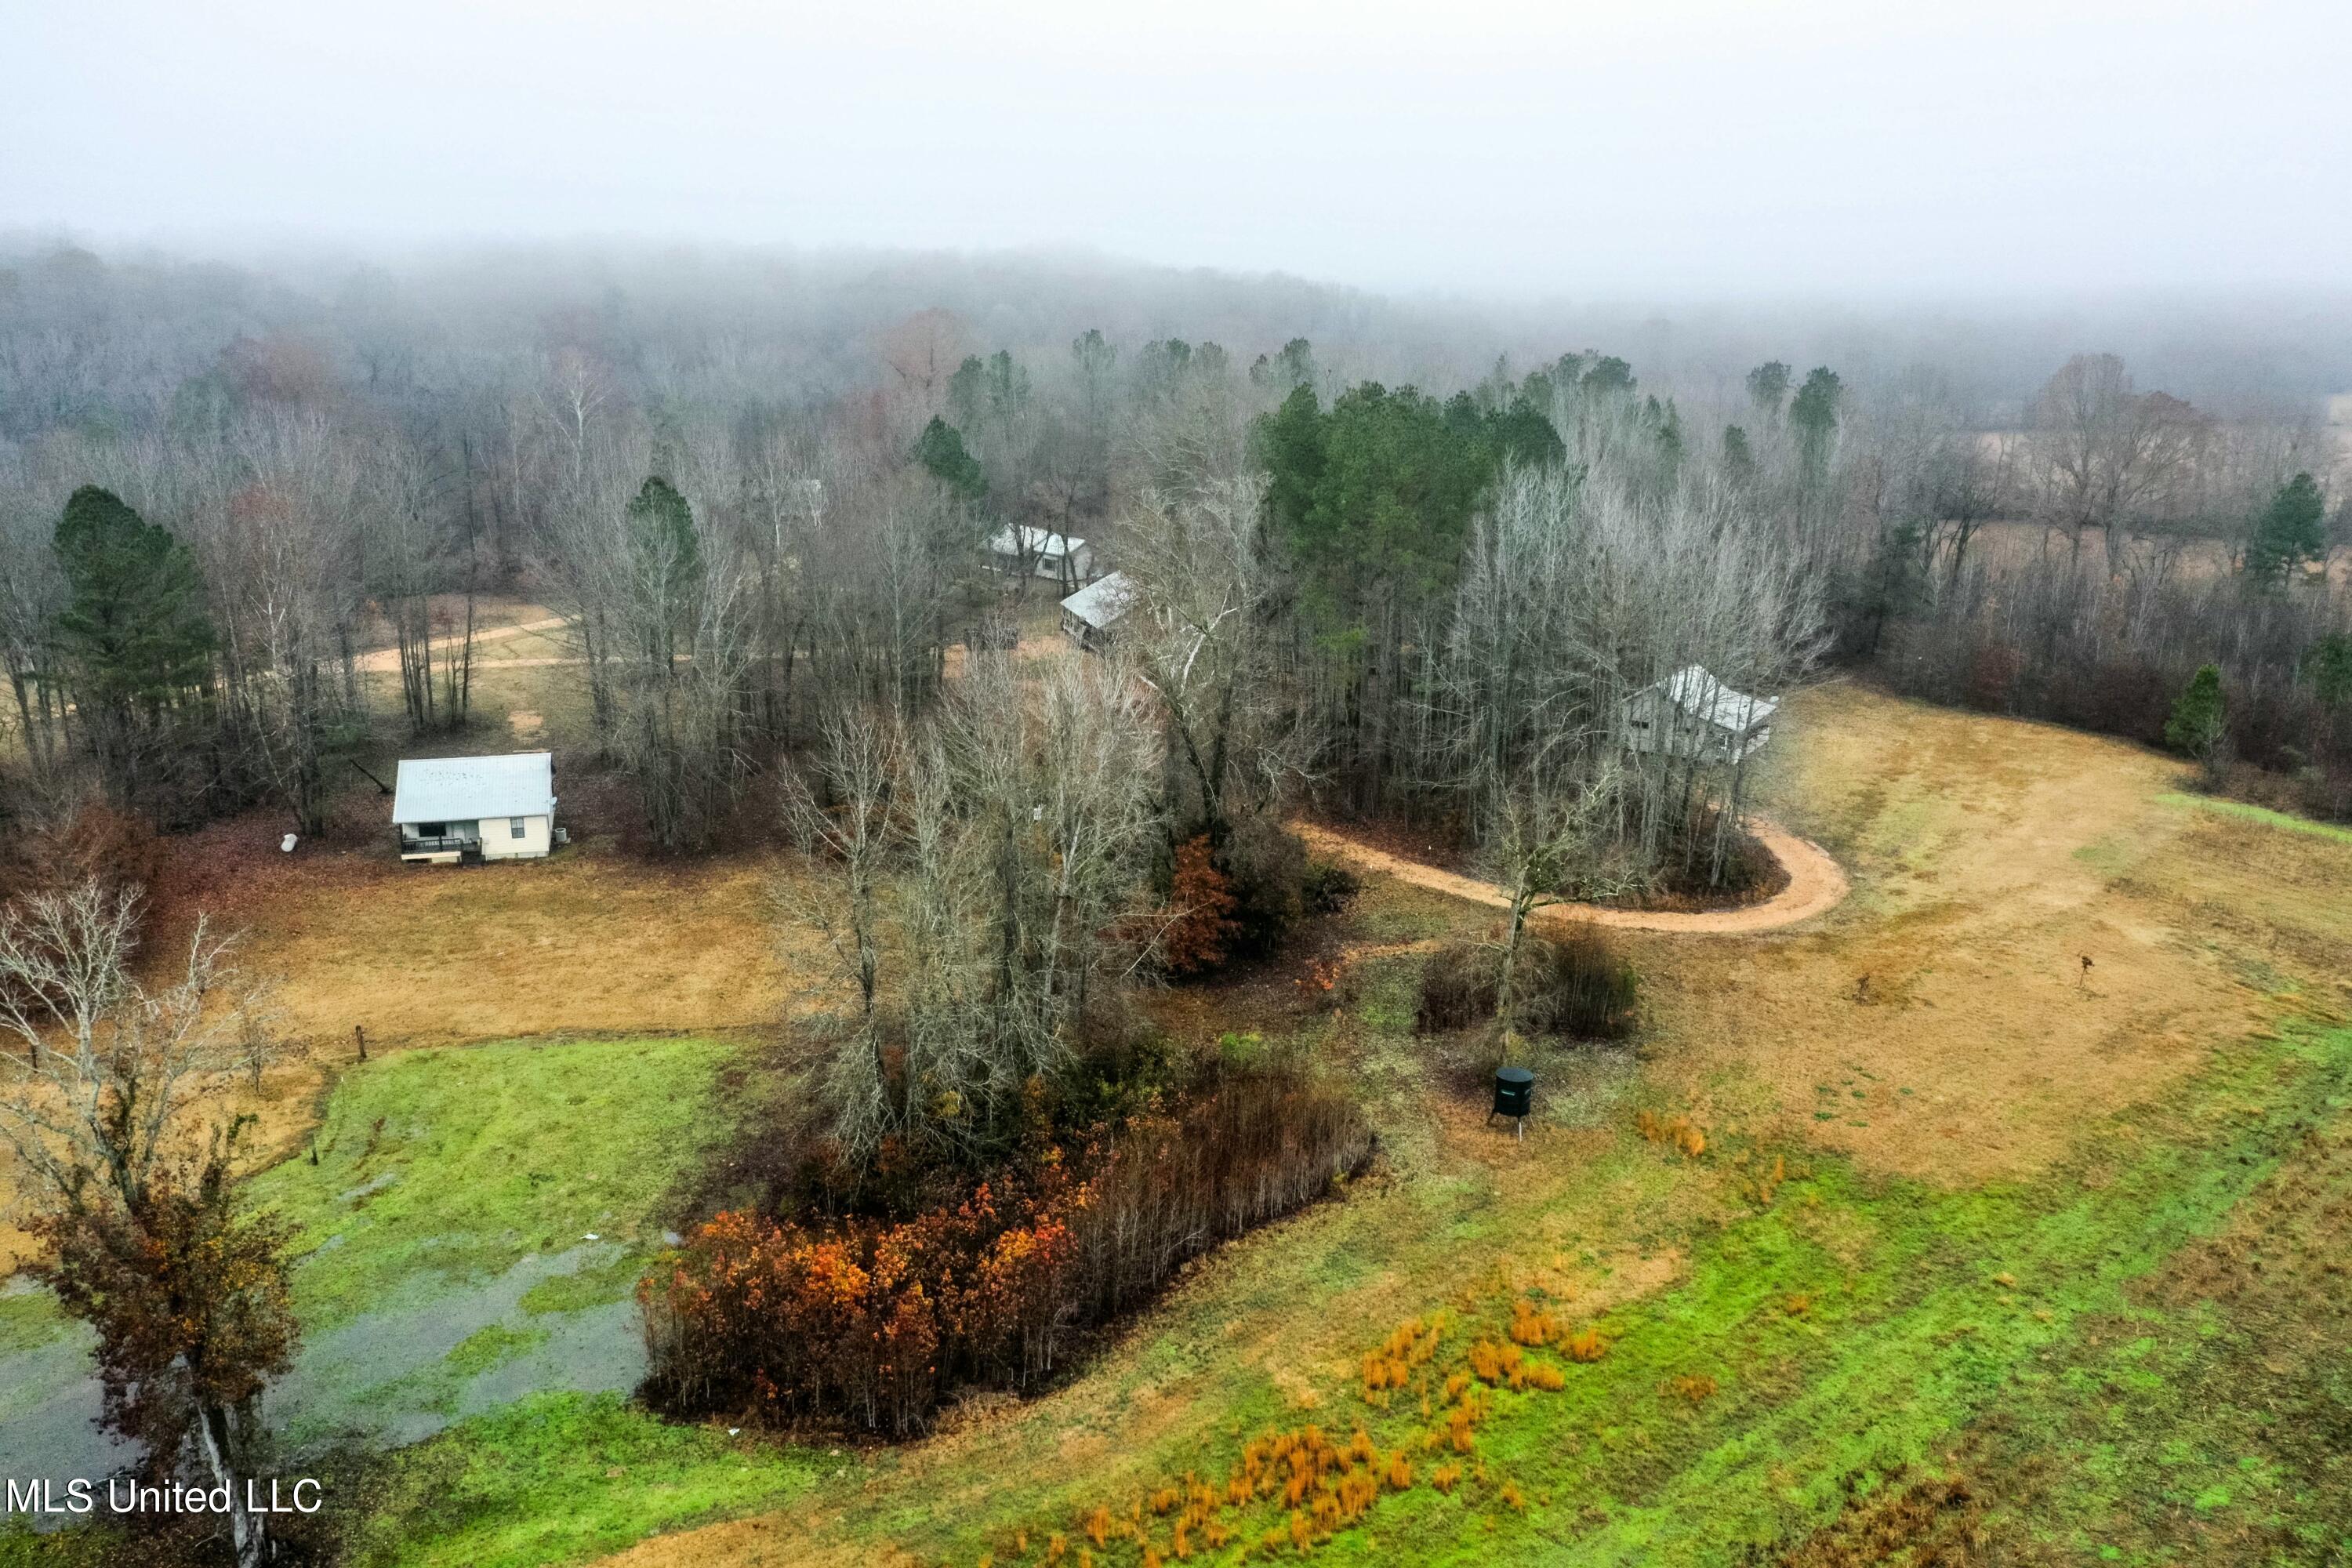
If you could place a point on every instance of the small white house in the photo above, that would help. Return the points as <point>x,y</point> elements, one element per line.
<point>453,809</point>
<point>1063,557</point>
<point>1692,714</point>
<point>1088,614</point>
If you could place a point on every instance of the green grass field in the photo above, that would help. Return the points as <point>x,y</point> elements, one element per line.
<point>2246,811</point>
<point>2129,1350</point>
<point>559,1478</point>
<point>440,1166</point>
<point>1989,1331</point>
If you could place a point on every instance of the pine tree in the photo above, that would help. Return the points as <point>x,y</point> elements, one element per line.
<point>1814,414</point>
<point>2291,530</point>
<point>940,450</point>
<point>2200,718</point>
<point>135,632</point>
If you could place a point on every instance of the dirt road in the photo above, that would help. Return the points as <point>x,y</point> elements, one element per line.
<point>386,660</point>
<point>1815,886</point>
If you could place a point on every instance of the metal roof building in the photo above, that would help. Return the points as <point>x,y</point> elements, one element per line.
<point>448,809</point>
<point>1692,714</point>
<point>1088,614</point>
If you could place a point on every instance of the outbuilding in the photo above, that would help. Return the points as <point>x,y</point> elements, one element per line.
<point>453,809</point>
<point>1063,557</point>
<point>1089,615</point>
<point>1691,714</point>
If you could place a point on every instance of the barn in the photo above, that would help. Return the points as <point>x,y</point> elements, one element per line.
<point>1692,714</point>
<point>449,810</point>
<point>1062,557</point>
<point>1089,615</point>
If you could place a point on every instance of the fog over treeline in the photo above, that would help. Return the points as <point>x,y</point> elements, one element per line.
<point>108,334</point>
<point>770,493</point>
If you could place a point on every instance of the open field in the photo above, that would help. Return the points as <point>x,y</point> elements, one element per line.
<point>1964,1209</point>
<point>1862,1312</point>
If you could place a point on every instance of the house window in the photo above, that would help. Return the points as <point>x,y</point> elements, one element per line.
<point>514,826</point>
<point>432,830</point>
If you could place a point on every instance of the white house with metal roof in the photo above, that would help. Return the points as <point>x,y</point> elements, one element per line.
<point>1063,557</point>
<point>1692,714</point>
<point>452,809</point>
<point>1088,614</point>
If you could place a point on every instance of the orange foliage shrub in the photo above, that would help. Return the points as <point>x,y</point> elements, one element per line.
<point>873,1322</point>
<point>1585,1345</point>
<point>1675,1132</point>
<point>1201,926</point>
<point>1532,1326</point>
<point>1698,1388</point>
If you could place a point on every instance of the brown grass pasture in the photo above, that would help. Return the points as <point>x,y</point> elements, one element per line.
<point>1988,857</point>
<point>1941,1023</point>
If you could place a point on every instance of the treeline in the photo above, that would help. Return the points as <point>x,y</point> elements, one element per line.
<point>2085,567</point>
<point>1432,601</point>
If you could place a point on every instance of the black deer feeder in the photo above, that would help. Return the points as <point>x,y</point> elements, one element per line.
<point>1515,1093</point>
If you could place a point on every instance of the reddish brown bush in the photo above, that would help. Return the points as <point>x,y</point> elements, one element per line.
<point>873,1322</point>
<point>1201,928</point>
<point>88,841</point>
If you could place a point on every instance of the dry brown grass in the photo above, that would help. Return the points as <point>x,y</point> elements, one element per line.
<point>1988,856</point>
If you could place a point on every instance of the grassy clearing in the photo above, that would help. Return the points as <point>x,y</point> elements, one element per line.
<point>1852,1329</point>
<point>29,1318</point>
<point>2000,1151</point>
<point>441,1166</point>
<point>2244,812</point>
<point>559,1478</point>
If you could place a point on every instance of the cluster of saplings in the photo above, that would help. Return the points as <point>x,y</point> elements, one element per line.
<point>1570,983</point>
<point>885,1288</point>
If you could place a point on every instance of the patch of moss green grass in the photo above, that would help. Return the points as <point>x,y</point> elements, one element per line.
<point>440,1166</point>
<point>1855,1327</point>
<point>2247,812</point>
<point>28,1319</point>
<point>561,1479</point>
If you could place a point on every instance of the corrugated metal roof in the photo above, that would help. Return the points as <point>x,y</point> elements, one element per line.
<point>1101,603</point>
<point>1699,694</point>
<point>1031,541</point>
<point>467,789</point>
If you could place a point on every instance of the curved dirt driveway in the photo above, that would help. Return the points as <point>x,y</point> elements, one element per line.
<point>1815,886</point>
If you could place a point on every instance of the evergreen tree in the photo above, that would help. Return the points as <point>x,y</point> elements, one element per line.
<point>1609,374</point>
<point>2291,530</point>
<point>135,633</point>
<point>1768,388</point>
<point>1738,457</point>
<point>1814,414</point>
<point>1293,368</point>
<point>2200,718</point>
<point>2327,666</point>
<point>940,450</point>
<point>667,555</point>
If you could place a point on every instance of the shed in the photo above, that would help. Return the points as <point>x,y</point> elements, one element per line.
<point>451,809</point>
<point>1064,557</point>
<point>1692,714</point>
<point>1088,614</point>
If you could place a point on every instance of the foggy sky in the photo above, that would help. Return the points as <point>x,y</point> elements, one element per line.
<point>1727,148</point>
